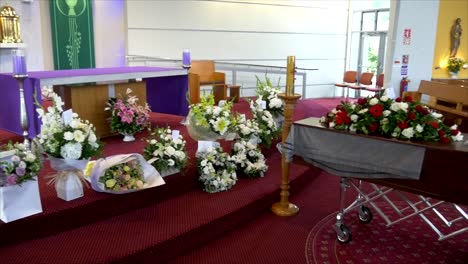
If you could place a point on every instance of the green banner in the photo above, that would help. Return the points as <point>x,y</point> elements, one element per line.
<point>72,34</point>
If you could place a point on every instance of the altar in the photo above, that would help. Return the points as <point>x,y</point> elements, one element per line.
<point>166,90</point>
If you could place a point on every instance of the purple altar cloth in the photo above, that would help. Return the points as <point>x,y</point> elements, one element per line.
<point>165,94</point>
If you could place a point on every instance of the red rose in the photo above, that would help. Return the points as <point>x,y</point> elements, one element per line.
<point>441,133</point>
<point>339,107</point>
<point>373,127</point>
<point>376,110</point>
<point>445,140</point>
<point>398,100</point>
<point>435,124</point>
<point>361,101</point>
<point>412,116</point>
<point>344,117</point>
<point>408,99</point>
<point>338,120</point>
<point>402,125</point>
<point>454,132</point>
<point>419,108</point>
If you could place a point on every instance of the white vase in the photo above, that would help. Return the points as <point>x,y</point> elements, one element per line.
<point>69,186</point>
<point>128,137</point>
<point>453,75</point>
<point>68,180</point>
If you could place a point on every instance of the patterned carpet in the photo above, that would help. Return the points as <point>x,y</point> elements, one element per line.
<point>411,241</point>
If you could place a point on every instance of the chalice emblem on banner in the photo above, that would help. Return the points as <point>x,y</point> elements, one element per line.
<point>68,8</point>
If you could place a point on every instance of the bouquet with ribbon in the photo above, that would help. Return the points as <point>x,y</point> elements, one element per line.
<point>69,142</point>
<point>123,173</point>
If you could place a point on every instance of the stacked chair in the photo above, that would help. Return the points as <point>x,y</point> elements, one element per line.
<point>378,85</point>
<point>364,80</point>
<point>349,78</point>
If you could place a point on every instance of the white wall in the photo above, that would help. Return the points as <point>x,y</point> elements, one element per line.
<point>421,18</point>
<point>109,33</point>
<point>255,32</point>
<point>30,23</point>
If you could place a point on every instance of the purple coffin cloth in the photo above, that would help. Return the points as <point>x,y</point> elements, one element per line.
<point>165,94</point>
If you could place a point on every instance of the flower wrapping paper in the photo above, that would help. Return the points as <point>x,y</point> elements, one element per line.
<point>151,175</point>
<point>19,201</point>
<point>68,180</point>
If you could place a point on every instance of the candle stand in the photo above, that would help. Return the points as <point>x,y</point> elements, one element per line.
<point>23,113</point>
<point>284,207</point>
<point>187,67</point>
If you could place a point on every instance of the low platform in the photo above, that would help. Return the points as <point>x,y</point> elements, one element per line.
<point>153,225</point>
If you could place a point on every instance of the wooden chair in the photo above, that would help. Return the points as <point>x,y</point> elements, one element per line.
<point>378,85</point>
<point>365,79</point>
<point>350,77</point>
<point>203,72</point>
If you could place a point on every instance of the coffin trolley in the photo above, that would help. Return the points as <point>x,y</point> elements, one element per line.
<point>424,176</point>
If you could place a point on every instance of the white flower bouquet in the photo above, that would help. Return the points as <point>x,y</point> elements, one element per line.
<point>249,159</point>
<point>70,143</point>
<point>269,94</point>
<point>166,151</point>
<point>209,122</point>
<point>268,129</point>
<point>73,139</point>
<point>216,169</point>
<point>123,173</point>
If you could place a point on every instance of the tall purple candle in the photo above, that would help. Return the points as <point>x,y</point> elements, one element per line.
<point>19,63</point>
<point>186,58</point>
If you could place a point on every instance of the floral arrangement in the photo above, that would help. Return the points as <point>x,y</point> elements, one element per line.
<point>124,176</point>
<point>127,116</point>
<point>455,64</point>
<point>23,165</point>
<point>269,94</point>
<point>217,170</point>
<point>164,151</point>
<point>268,129</point>
<point>249,159</point>
<point>74,140</point>
<point>247,129</point>
<point>205,118</point>
<point>401,118</point>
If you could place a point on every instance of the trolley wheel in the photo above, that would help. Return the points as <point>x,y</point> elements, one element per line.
<point>365,214</point>
<point>344,234</point>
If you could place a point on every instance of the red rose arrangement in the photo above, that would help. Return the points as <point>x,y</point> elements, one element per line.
<point>401,118</point>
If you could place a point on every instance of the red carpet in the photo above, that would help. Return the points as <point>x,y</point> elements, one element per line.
<point>178,222</point>
<point>270,239</point>
<point>411,241</point>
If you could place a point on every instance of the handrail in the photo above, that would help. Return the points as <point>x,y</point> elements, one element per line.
<point>234,67</point>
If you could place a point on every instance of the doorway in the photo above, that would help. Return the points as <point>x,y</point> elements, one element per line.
<point>368,41</point>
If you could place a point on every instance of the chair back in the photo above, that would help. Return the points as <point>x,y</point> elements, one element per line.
<point>366,78</point>
<point>350,77</point>
<point>205,69</point>
<point>380,81</point>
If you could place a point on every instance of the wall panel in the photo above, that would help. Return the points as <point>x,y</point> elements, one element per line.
<point>255,32</point>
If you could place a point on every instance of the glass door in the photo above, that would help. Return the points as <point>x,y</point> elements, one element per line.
<point>372,53</point>
<point>368,41</point>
